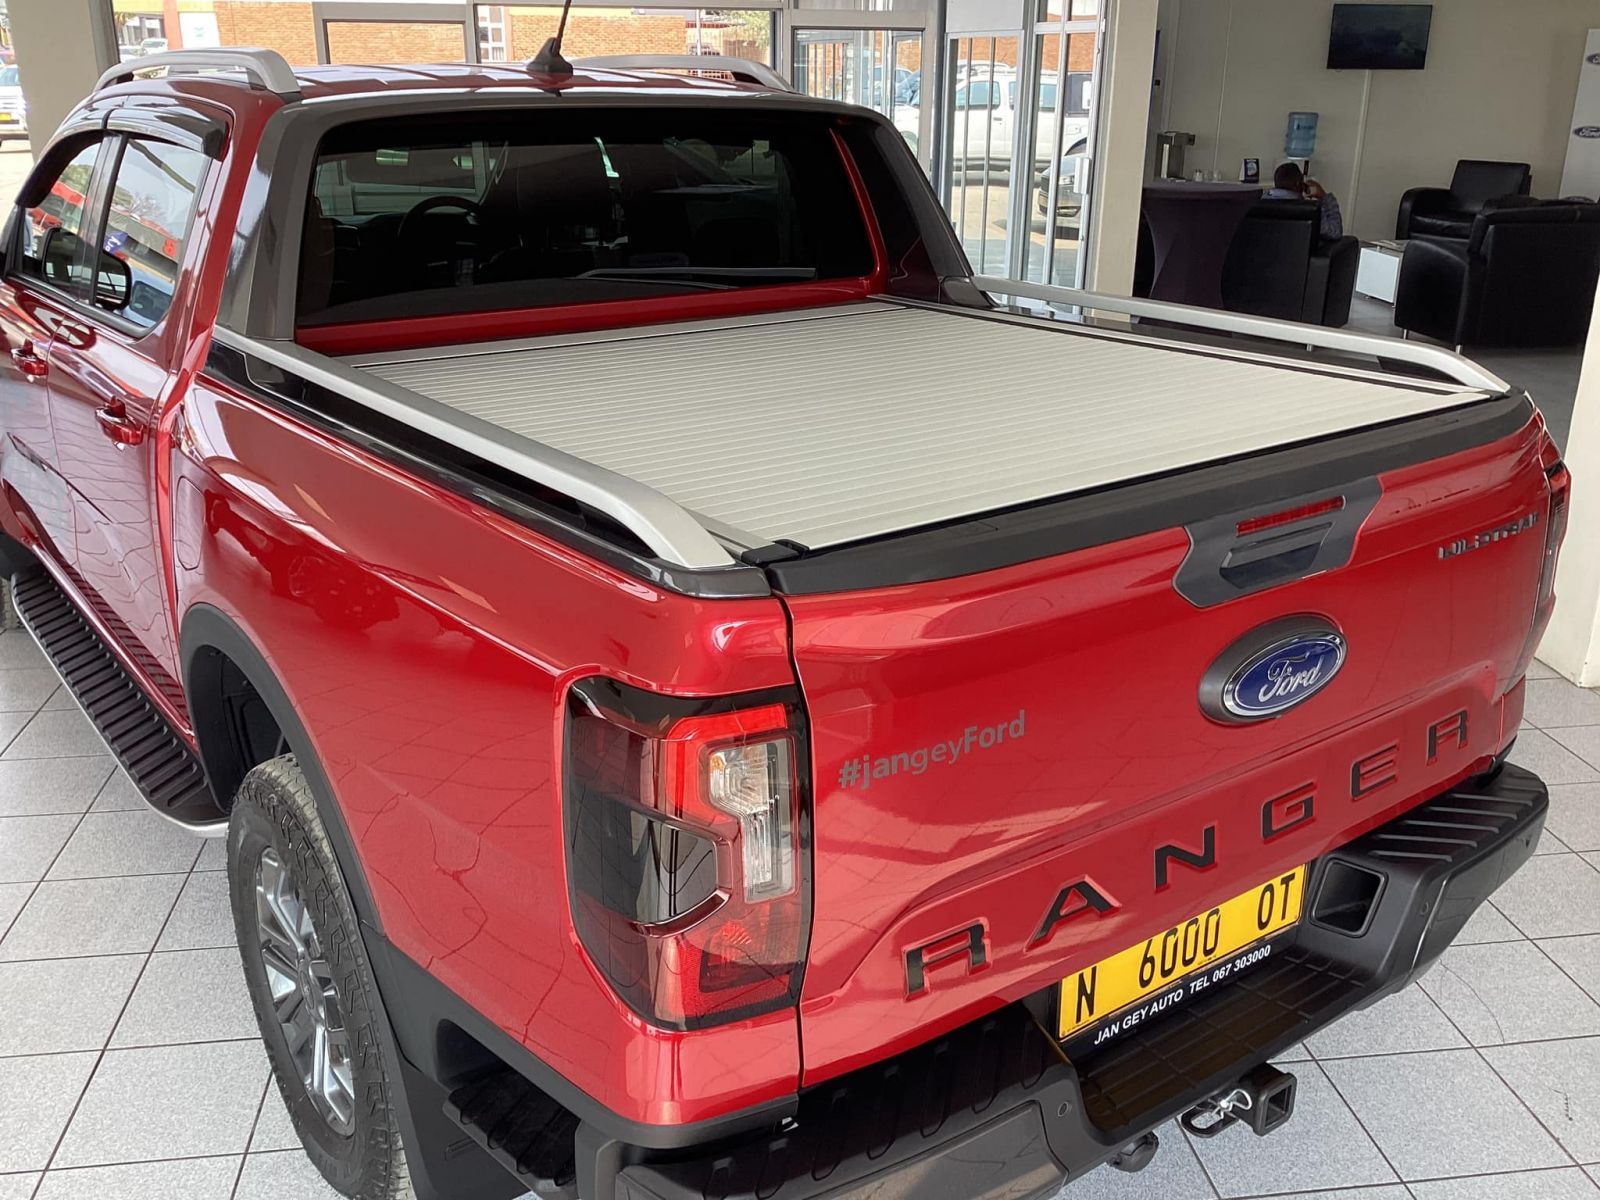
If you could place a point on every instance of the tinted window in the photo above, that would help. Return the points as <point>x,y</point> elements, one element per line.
<point>423,216</point>
<point>53,249</point>
<point>152,200</point>
<point>978,95</point>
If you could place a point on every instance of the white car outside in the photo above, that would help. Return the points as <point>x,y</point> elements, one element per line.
<point>13,109</point>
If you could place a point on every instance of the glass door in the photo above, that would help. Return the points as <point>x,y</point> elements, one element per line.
<point>1061,174</point>
<point>880,69</point>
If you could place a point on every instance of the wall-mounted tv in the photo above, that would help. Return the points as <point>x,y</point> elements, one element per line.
<point>1379,37</point>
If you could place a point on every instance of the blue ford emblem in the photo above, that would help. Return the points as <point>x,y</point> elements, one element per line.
<point>1272,669</point>
<point>1587,131</point>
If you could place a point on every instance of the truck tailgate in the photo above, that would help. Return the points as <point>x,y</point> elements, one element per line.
<point>825,427</point>
<point>1064,692</point>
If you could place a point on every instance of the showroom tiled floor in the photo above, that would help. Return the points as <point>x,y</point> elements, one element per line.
<point>129,1066</point>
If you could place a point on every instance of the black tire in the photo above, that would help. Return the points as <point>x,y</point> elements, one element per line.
<point>274,811</point>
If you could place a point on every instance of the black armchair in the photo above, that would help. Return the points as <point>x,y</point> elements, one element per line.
<point>1448,212</point>
<point>1279,266</point>
<point>1526,277</point>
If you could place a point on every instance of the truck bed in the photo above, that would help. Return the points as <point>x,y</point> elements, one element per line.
<point>829,426</point>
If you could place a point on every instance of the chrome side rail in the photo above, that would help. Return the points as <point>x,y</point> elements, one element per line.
<point>1453,366</point>
<point>265,69</point>
<point>670,532</point>
<point>740,68</point>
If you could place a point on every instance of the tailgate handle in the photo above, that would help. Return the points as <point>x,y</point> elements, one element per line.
<point>1224,564</point>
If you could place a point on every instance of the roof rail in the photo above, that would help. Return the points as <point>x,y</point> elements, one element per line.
<point>1452,366</point>
<point>742,69</point>
<point>265,69</point>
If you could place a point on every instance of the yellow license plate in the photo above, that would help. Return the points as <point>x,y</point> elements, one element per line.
<point>1214,938</point>
<point>7,118</point>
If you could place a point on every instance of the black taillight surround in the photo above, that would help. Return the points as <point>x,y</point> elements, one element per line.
<point>655,886</point>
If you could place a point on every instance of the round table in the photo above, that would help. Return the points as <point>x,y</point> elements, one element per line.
<point>1192,225</point>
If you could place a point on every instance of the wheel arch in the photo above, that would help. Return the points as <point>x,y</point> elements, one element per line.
<point>216,655</point>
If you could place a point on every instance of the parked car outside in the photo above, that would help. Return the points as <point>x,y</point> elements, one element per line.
<point>13,108</point>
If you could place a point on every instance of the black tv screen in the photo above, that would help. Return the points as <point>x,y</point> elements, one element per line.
<point>1379,37</point>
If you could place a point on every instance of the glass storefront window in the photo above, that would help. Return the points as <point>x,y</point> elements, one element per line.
<point>515,32</point>
<point>878,68</point>
<point>395,41</point>
<point>979,138</point>
<point>1066,90</point>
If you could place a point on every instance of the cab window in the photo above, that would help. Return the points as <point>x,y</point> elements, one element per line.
<point>152,201</point>
<point>52,247</point>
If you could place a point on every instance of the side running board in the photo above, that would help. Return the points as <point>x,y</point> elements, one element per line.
<point>160,763</point>
<point>524,1130</point>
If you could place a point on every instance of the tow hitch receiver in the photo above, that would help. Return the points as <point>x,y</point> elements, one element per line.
<point>1264,1099</point>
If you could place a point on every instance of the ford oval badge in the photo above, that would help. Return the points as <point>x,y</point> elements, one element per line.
<point>1272,669</point>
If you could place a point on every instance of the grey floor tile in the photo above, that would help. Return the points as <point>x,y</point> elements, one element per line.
<point>28,845</point>
<point>1584,741</point>
<point>56,735</point>
<point>1383,1191</point>
<point>1560,1082</point>
<point>284,1175</point>
<point>61,700</point>
<point>18,1187</point>
<point>1593,1173</point>
<point>26,689</point>
<point>1579,957</point>
<point>18,649</point>
<point>78,917</point>
<point>213,855</point>
<point>274,1130</point>
<point>1486,991</point>
<point>1592,857</point>
<point>1487,924</point>
<point>126,843</point>
<point>33,787</point>
<point>52,1005</point>
<point>185,1179</point>
<point>1557,704</point>
<point>1330,1149</point>
<point>119,795</point>
<point>1173,1174</point>
<point>12,897</point>
<point>1537,670</point>
<point>1295,1053</point>
<point>1575,815</point>
<point>1549,760</point>
<point>1562,1183</point>
<point>36,1099</point>
<point>202,919</point>
<point>1408,1020</point>
<point>1549,843</point>
<point>188,996</point>
<point>1551,896</point>
<point>166,1102</point>
<point>11,724</point>
<point>1444,1113</point>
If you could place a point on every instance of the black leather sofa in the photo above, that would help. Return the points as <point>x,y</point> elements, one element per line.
<point>1526,276</point>
<point>1279,266</point>
<point>1448,212</point>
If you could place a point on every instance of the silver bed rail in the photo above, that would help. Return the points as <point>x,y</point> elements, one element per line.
<point>1436,358</point>
<point>670,531</point>
<point>741,69</point>
<point>263,68</point>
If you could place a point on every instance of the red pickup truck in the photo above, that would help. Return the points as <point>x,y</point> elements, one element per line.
<point>705,697</point>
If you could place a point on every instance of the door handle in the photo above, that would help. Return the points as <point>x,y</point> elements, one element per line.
<point>30,362</point>
<point>117,425</point>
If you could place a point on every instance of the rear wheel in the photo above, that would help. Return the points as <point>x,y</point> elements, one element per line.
<point>310,983</point>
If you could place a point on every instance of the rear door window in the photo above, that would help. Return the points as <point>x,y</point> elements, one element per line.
<point>53,248</point>
<point>152,202</point>
<point>429,216</point>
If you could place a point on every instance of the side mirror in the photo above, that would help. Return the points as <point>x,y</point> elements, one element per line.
<point>113,284</point>
<point>63,258</point>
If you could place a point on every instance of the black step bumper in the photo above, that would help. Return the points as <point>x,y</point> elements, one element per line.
<point>995,1110</point>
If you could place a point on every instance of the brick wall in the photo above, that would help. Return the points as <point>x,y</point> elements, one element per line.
<point>282,25</point>
<point>395,42</point>
<point>593,32</point>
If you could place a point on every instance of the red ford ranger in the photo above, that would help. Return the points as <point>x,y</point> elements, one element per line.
<point>707,698</point>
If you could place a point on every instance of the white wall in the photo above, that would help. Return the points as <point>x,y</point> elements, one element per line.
<point>1125,104</point>
<point>1499,84</point>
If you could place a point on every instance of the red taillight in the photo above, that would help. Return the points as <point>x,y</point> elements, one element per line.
<point>1289,516</point>
<point>1555,532</point>
<point>685,855</point>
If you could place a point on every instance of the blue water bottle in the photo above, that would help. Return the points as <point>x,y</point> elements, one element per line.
<point>1300,139</point>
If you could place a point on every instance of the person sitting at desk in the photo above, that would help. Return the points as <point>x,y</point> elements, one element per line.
<point>1289,182</point>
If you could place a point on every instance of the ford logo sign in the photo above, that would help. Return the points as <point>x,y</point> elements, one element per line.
<point>1587,131</point>
<point>1272,669</point>
<point>1594,60</point>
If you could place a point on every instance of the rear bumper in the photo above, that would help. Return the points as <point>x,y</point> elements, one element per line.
<point>995,1110</point>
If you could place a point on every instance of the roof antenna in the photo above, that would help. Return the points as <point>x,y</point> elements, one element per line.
<point>549,60</point>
